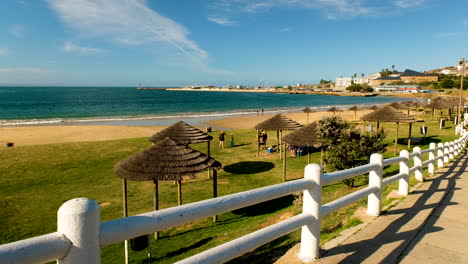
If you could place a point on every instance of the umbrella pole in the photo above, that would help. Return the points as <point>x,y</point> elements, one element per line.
<point>258,143</point>
<point>308,155</point>
<point>284,163</point>
<point>409,136</point>
<point>125,213</point>
<point>215,190</point>
<point>179,192</point>
<point>208,152</point>
<point>396,138</point>
<point>280,143</point>
<point>156,202</point>
<point>378,125</point>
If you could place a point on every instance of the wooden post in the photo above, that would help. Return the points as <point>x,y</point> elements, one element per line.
<point>409,136</point>
<point>284,163</point>
<point>208,153</point>
<point>258,143</point>
<point>279,144</point>
<point>156,202</point>
<point>125,213</point>
<point>215,190</point>
<point>179,192</point>
<point>396,138</point>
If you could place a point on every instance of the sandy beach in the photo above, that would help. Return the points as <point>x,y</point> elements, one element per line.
<point>36,135</point>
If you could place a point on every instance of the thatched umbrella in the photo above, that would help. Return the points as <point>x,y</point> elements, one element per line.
<point>354,108</point>
<point>390,114</point>
<point>439,103</point>
<point>307,110</point>
<point>374,107</point>
<point>166,160</point>
<point>399,106</point>
<point>279,123</point>
<point>184,134</point>
<point>334,110</point>
<point>308,136</point>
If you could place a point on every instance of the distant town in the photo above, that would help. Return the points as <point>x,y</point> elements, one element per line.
<point>441,80</point>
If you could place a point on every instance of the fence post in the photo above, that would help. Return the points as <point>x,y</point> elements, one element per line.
<point>451,151</point>
<point>79,220</point>
<point>446,152</point>
<point>456,147</point>
<point>403,185</point>
<point>312,199</point>
<point>430,167</point>
<point>440,155</point>
<point>418,162</point>
<point>375,180</point>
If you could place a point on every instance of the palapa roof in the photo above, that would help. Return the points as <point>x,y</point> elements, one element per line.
<point>334,109</point>
<point>306,136</point>
<point>279,122</point>
<point>166,160</point>
<point>439,103</point>
<point>388,114</point>
<point>308,110</point>
<point>183,133</point>
<point>399,106</point>
<point>374,107</point>
<point>353,108</point>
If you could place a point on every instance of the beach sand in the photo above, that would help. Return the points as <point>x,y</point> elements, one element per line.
<point>36,135</point>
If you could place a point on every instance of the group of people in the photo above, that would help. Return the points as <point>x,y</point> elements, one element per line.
<point>222,137</point>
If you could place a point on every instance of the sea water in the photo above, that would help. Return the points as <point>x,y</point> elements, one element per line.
<point>48,105</point>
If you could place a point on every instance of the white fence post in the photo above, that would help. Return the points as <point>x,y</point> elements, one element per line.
<point>446,152</point>
<point>451,150</point>
<point>79,220</point>
<point>403,186</point>
<point>440,153</point>
<point>456,147</point>
<point>312,199</point>
<point>432,155</point>
<point>418,162</point>
<point>375,180</point>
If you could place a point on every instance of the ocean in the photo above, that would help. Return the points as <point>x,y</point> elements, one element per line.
<point>94,105</point>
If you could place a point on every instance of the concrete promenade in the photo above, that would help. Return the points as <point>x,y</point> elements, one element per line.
<point>429,226</point>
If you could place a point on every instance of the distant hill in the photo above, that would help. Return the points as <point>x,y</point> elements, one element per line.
<point>445,70</point>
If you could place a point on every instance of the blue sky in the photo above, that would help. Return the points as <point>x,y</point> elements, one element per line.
<point>222,42</point>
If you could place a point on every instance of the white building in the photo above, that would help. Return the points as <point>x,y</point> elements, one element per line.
<point>343,82</point>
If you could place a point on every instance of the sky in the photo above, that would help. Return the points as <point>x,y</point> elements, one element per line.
<point>223,42</point>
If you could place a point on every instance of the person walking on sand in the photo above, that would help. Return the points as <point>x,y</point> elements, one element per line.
<point>221,139</point>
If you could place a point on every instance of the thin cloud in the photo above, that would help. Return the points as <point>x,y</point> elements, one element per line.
<point>448,34</point>
<point>17,30</point>
<point>332,8</point>
<point>221,20</point>
<point>26,70</point>
<point>72,47</point>
<point>408,3</point>
<point>127,22</point>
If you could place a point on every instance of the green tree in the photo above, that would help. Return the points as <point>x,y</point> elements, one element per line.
<point>385,72</point>
<point>446,83</point>
<point>354,88</point>
<point>346,148</point>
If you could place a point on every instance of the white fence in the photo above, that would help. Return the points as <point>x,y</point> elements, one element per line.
<point>80,233</point>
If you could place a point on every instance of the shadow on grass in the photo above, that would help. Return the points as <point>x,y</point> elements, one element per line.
<point>248,167</point>
<point>266,207</point>
<point>268,253</point>
<point>180,251</point>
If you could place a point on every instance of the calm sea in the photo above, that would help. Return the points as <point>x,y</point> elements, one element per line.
<point>20,105</point>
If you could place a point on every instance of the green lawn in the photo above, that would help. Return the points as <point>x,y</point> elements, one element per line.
<point>36,180</point>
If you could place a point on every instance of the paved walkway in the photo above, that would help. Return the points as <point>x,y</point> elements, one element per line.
<point>429,226</point>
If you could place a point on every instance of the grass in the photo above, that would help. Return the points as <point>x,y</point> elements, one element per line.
<point>36,180</point>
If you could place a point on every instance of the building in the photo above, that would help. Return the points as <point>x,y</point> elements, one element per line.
<point>397,88</point>
<point>414,76</point>
<point>343,82</point>
<point>406,76</point>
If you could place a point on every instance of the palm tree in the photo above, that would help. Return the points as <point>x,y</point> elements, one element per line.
<point>362,75</point>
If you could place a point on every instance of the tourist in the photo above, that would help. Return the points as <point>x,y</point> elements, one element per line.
<point>231,143</point>
<point>221,139</point>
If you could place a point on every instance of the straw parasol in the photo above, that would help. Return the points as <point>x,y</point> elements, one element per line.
<point>374,107</point>
<point>279,123</point>
<point>307,110</point>
<point>166,160</point>
<point>307,136</point>
<point>390,114</point>
<point>184,134</point>
<point>334,110</point>
<point>354,108</point>
<point>439,103</point>
<point>399,106</point>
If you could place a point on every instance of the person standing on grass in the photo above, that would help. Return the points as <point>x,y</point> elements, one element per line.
<point>221,139</point>
<point>231,143</point>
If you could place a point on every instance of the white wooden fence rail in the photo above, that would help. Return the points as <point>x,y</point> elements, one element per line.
<point>80,233</point>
